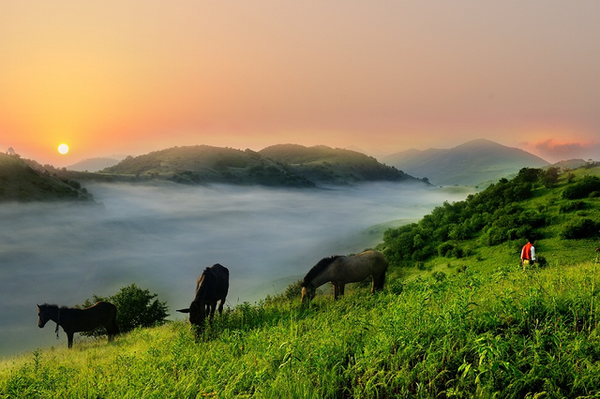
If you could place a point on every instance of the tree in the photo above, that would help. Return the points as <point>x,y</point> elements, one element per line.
<point>549,177</point>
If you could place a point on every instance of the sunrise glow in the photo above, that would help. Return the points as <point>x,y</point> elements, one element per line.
<point>63,149</point>
<point>130,79</point>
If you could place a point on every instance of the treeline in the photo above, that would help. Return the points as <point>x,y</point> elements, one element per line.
<point>502,212</point>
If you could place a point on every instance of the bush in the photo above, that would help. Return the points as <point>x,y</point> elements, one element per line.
<point>445,248</point>
<point>572,206</point>
<point>583,188</point>
<point>580,228</point>
<point>135,308</point>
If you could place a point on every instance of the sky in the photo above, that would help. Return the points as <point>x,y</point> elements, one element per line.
<point>129,77</point>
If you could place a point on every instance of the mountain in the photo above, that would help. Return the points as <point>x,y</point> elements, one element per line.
<point>94,164</point>
<point>326,165</point>
<point>471,163</point>
<point>21,182</point>
<point>205,164</point>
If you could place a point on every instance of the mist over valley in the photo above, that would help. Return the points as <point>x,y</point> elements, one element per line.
<point>162,236</point>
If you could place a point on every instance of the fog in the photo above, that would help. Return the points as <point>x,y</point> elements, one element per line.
<point>162,237</point>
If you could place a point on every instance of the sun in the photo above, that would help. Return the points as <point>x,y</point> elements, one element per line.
<point>63,149</point>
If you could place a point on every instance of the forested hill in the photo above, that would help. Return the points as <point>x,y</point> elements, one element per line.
<point>22,183</point>
<point>273,166</point>
<point>327,165</point>
<point>205,164</point>
<point>552,206</point>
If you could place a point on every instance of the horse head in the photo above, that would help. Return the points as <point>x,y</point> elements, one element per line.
<point>197,313</point>
<point>43,316</point>
<point>308,293</point>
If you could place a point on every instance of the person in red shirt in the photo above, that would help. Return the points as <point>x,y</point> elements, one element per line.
<point>528,254</point>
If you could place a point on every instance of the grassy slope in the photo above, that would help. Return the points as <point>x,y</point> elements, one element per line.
<point>472,327</point>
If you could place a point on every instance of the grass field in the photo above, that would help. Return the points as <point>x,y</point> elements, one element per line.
<point>490,333</point>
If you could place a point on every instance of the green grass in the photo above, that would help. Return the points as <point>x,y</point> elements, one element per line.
<point>473,333</point>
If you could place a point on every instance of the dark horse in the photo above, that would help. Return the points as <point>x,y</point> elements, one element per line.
<point>77,320</point>
<point>211,286</point>
<point>341,270</point>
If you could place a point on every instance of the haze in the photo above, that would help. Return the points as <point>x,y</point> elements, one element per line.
<point>162,237</point>
<point>129,77</point>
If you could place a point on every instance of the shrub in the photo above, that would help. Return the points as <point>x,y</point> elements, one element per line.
<point>580,228</point>
<point>572,206</point>
<point>445,248</point>
<point>583,188</point>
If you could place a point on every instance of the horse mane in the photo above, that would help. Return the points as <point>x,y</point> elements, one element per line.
<point>207,275</point>
<point>54,306</point>
<point>49,305</point>
<point>318,268</point>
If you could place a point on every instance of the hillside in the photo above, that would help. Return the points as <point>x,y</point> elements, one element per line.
<point>471,163</point>
<point>205,164</point>
<point>20,182</point>
<point>326,165</point>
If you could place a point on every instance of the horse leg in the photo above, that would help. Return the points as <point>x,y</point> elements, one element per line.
<point>221,306</point>
<point>111,332</point>
<point>70,338</point>
<point>378,282</point>
<point>338,290</point>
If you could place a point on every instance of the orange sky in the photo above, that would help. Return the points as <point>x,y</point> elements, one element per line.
<point>129,77</point>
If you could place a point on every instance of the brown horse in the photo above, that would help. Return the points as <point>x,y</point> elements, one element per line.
<point>77,320</point>
<point>212,286</point>
<point>341,270</point>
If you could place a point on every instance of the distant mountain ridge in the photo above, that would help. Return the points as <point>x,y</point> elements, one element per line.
<point>471,163</point>
<point>94,164</point>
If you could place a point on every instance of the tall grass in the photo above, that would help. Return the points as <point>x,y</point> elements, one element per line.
<point>506,333</point>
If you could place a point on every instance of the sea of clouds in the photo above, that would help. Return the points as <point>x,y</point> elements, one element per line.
<point>161,237</point>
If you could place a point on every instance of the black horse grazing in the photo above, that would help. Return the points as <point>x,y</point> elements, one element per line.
<point>77,320</point>
<point>212,286</point>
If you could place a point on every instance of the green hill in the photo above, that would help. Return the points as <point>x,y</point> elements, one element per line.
<point>205,164</point>
<point>280,165</point>
<point>327,165</point>
<point>20,182</point>
<point>449,324</point>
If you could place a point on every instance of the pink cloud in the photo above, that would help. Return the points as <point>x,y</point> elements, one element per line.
<point>555,152</point>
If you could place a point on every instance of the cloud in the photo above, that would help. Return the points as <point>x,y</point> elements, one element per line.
<point>555,152</point>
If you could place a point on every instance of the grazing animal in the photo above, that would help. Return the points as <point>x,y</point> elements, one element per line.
<point>77,320</point>
<point>341,270</point>
<point>211,286</point>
